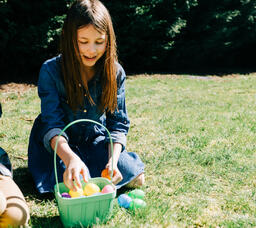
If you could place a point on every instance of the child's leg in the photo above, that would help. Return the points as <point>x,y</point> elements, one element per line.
<point>2,203</point>
<point>17,212</point>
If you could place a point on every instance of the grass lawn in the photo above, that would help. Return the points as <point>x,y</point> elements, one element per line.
<point>197,137</point>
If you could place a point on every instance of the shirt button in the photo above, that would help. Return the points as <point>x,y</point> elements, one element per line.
<point>85,110</point>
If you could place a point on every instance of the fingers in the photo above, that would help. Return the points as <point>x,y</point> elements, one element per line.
<point>117,177</point>
<point>84,174</point>
<point>77,179</point>
<point>71,176</point>
<point>68,180</point>
<point>110,172</point>
<point>108,166</point>
<point>71,179</point>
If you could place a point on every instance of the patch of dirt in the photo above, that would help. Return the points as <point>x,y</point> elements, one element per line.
<point>22,87</point>
<point>16,87</point>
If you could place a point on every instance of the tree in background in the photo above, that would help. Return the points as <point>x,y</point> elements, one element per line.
<point>147,30</point>
<point>152,36</point>
<point>219,33</point>
<point>29,35</point>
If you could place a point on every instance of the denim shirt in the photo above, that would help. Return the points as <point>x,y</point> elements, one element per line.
<point>56,113</point>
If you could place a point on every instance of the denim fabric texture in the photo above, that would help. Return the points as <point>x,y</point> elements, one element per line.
<point>86,139</point>
<point>5,163</point>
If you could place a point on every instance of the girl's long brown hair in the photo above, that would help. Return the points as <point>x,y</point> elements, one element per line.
<point>80,14</point>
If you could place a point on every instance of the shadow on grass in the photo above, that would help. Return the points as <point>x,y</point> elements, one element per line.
<point>23,179</point>
<point>40,222</point>
<point>123,190</point>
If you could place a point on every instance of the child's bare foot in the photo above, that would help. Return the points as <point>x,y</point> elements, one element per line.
<point>137,182</point>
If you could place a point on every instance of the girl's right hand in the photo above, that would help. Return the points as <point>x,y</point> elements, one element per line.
<point>74,165</point>
<point>71,176</point>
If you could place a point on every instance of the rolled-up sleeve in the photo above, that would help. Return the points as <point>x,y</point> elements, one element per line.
<point>118,122</point>
<point>52,114</point>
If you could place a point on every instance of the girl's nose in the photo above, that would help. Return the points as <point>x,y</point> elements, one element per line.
<point>91,49</point>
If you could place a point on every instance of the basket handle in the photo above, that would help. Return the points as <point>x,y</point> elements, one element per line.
<point>61,133</point>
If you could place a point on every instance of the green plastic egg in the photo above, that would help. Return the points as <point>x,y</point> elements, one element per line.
<point>137,203</point>
<point>136,194</point>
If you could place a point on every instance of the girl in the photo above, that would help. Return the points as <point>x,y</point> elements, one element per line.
<point>84,81</point>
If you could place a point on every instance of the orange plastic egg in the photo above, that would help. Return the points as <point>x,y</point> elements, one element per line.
<point>105,174</point>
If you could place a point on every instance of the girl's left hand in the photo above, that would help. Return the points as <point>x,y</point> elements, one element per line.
<point>117,176</point>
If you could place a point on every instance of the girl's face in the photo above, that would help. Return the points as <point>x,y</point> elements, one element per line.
<point>91,44</point>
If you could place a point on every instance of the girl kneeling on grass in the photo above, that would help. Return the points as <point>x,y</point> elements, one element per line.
<point>14,211</point>
<point>84,82</point>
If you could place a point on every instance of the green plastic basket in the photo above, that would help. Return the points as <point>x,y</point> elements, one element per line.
<point>88,210</point>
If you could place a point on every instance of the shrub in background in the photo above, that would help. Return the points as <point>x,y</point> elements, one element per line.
<point>29,35</point>
<point>147,30</point>
<point>219,33</point>
<point>156,35</point>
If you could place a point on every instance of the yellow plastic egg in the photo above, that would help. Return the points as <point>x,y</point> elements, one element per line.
<point>77,193</point>
<point>90,189</point>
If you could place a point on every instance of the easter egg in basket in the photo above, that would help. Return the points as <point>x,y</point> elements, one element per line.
<point>77,193</point>
<point>90,189</point>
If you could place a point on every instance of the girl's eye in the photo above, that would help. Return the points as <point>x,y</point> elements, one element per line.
<point>100,42</point>
<point>83,42</point>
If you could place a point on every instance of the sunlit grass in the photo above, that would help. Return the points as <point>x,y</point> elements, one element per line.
<point>197,137</point>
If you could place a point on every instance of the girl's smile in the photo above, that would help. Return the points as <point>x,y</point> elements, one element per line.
<point>90,58</point>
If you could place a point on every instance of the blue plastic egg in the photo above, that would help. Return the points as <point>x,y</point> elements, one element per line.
<point>124,200</point>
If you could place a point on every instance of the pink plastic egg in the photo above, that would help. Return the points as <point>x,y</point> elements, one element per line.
<point>107,189</point>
